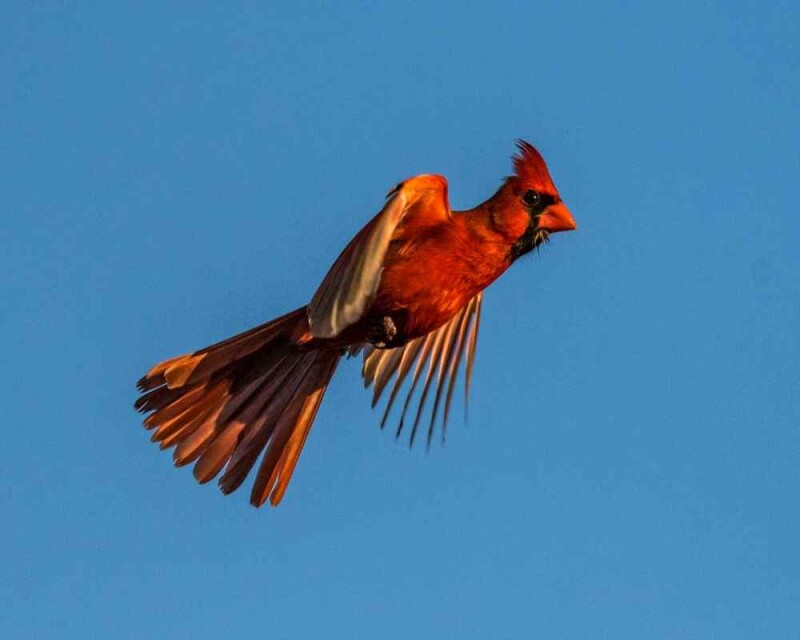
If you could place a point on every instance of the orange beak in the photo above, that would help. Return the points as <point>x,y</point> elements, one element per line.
<point>557,218</point>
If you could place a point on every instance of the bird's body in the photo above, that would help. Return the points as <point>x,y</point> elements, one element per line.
<point>452,257</point>
<point>407,289</point>
<point>456,258</point>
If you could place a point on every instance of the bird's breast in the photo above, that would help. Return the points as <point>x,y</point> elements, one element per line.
<point>425,283</point>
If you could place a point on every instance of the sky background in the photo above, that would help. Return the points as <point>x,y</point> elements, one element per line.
<point>174,173</point>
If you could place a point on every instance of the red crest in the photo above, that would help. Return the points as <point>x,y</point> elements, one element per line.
<point>531,169</point>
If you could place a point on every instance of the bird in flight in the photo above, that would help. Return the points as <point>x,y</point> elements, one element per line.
<point>406,291</point>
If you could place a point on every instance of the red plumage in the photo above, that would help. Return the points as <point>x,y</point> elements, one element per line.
<point>407,290</point>
<point>530,168</point>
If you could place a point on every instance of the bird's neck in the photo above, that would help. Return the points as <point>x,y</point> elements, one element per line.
<point>485,247</point>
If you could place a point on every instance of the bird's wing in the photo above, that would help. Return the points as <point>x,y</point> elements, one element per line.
<point>349,287</point>
<point>443,351</point>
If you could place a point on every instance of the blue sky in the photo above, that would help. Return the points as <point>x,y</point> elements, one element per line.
<point>175,174</point>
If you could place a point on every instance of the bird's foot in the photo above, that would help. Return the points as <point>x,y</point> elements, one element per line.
<point>382,333</point>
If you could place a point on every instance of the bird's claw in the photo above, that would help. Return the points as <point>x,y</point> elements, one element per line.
<point>383,333</point>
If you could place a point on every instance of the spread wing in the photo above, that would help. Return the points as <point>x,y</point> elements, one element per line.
<point>349,287</point>
<point>443,351</point>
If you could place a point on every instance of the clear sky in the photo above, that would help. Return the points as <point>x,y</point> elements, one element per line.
<point>172,175</point>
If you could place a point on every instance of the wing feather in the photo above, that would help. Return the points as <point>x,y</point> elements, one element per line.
<point>442,351</point>
<point>427,344</point>
<point>436,355</point>
<point>385,372</point>
<point>410,352</point>
<point>450,347</point>
<point>471,345</point>
<point>466,322</point>
<point>350,285</point>
<point>349,288</point>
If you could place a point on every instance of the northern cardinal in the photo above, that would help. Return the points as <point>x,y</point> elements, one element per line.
<point>407,291</point>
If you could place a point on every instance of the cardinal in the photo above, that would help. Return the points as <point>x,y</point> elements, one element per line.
<point>406,291</point>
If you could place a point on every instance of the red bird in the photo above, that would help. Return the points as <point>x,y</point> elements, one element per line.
<point>407,290</point>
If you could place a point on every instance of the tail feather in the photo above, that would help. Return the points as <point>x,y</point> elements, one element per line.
<point>291,452</point>
<point>261,435</point>
<point>196,401</point>
<point>218,452</point>
<point>254,395</point>
<point>265,478</point>
<point>196,437</point>
<point>225,404</point>
<point>290,435</point>
<point>276,397</point>
<point>174,409</point>
<point>156,397</point>
<point>202,364</point>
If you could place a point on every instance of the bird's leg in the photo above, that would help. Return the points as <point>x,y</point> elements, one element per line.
<point>382,333</point>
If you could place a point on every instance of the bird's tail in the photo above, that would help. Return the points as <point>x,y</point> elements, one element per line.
<point>221,406</point>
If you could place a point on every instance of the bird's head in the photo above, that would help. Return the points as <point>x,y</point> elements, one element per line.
<point>529,206</point>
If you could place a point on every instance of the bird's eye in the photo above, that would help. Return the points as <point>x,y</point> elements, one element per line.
<point>531,198</point>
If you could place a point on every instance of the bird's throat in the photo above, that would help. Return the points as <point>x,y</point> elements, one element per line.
<point>527,242</point>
